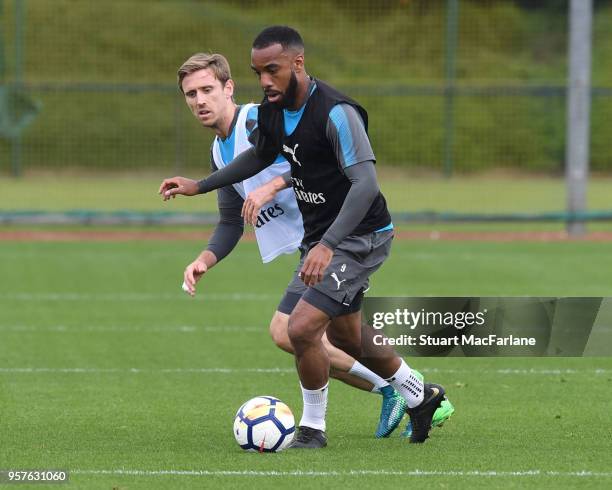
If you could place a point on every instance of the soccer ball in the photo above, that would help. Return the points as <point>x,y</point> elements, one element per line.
<point>264,424</point>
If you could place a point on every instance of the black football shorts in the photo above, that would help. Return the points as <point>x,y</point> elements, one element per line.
<point>340,292</point>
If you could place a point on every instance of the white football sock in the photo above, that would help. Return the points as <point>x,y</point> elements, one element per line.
<point>408,385</point>
<point>315,406</point>
<point>363,372</point>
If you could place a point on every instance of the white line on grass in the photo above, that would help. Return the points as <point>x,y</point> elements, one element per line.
<point>302,473</point>
<point>552,372</point>
<point>154,328</point>
<point>135,296</point>
<point>28,370</point>
<point>221,370</point>
<point>132,328</point>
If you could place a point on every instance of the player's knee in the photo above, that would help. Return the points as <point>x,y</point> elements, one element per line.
<point>278,331</point>
<point>296,330</point>
<point>300,331</point>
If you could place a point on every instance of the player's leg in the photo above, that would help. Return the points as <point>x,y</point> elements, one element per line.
<point>422,399</point>
<point>306,327</point>
<point>392,403</point>
<point>354,260</point>
<point>346,369</point>
<point>441,415</point>
<point>278,331</point>
<point>342,366</point>
<point>350,371</point>
<point>349,379</point>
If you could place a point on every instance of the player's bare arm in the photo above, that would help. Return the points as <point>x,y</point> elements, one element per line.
<point>169,188</point>
<point>243,166</point>
<point>196,270</point>
<point>262,195</point>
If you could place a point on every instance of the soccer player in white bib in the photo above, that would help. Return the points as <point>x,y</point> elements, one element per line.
<point>206,83</point>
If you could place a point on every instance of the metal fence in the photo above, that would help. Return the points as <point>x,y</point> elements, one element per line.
<point>450,85</point>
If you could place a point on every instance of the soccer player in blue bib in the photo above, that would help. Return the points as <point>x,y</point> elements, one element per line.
<point>347,227</point>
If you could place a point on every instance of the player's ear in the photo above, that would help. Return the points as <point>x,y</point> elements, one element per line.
<point>298,62</point>
<point>228,89</point>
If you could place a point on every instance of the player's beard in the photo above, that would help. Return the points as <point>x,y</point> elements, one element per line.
<point>290,95</point>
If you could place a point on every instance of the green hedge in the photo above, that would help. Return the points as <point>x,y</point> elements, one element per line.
<point>354,44</point>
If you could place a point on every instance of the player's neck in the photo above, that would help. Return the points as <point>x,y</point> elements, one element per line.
<point>223,129</point>
<point>302,90</point>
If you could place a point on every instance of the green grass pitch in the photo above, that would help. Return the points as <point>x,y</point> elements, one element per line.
<point>109,371</point>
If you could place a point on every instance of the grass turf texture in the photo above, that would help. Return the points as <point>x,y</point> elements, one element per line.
<point>404,192</point>
<point>117,307</point>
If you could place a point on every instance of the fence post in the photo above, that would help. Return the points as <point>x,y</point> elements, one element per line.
<point>2,57</point>
<point>578,111</point>
<point>179,140</point>
<point>19,25</point>
<point>452,19</point>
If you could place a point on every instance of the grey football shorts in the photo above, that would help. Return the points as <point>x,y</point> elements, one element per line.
<point>345,280</point>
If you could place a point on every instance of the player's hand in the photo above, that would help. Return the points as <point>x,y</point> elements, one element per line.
<point>255,200</point>
<point>178,185</point>
<point>193,273</point>
<point>317,261</point>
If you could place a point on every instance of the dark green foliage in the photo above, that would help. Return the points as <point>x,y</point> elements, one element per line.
<point>368,48</point>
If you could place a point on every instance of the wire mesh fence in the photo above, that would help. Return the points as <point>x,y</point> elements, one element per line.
<point>451,86</point>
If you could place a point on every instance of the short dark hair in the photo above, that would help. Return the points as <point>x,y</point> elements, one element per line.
<point>286,36</point>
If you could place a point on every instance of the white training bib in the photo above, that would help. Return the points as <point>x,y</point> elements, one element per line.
<point>279,228</point>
